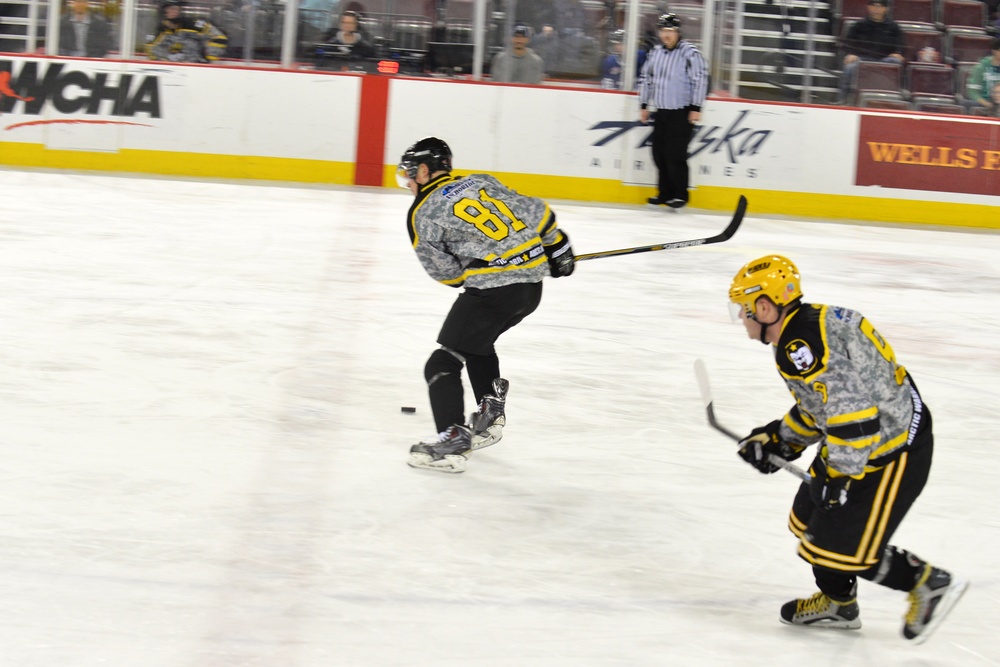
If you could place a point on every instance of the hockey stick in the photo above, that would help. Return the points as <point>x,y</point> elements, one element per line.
<point>701,373</point>
<point>727,233</point>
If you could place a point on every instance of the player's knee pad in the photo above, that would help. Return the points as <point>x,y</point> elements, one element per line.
<point>442,362</point>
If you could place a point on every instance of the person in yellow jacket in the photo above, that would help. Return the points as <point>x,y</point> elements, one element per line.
<point>183,39</point>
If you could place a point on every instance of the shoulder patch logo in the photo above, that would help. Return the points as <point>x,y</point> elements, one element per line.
<point>801,355</point>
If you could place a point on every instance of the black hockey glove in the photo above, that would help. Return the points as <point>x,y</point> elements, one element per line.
<point>764,441</point>
<point>829,493</point>
<point>562,261</point>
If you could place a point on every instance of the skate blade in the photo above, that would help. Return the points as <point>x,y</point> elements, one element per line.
<point>452,463</point>
<point>950,599</point>
<point>487,438</point>
<point>826,625</point>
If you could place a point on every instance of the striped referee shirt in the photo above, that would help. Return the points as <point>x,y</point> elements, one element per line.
<point>674,78</point>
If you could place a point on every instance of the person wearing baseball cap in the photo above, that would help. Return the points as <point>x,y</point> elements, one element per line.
<point>518,64</point>
<point>874,38</point>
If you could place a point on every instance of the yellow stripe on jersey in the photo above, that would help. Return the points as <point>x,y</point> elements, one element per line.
<point>868,551</point>
<point>514,252</point>
<point>856,443</point>
<point>799,427</point>
<point>890,445</point>
<point>545,224</point>
<point>847,418</point>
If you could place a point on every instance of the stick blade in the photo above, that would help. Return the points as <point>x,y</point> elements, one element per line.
<point>701,374</point>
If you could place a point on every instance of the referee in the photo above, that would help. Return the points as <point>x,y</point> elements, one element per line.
<point>674,80</point>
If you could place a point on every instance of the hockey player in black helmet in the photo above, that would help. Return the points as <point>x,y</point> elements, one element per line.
<point>613,64</point>
<point>674,81</point>
<point>875,443</point>
<point>474,232</point>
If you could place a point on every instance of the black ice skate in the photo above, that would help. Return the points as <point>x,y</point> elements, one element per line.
<point>931,599</point>
<point>488,421</point>
<point>445,452</point>
<point>822,611</point>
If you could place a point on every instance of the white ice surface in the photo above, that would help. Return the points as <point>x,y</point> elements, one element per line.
<point>202,454</point>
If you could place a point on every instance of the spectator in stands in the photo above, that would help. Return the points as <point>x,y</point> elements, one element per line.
<point>984,77</point>
<point>83,33</point>
<point>991,12</point>
<point>874,38</point>
<point>183,39</point>
<point>613,65</point>
<point>546,45</point>
<point>346,40</point>
<point>518,64</point>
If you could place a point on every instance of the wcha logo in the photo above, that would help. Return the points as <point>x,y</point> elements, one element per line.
<point>71,91</point>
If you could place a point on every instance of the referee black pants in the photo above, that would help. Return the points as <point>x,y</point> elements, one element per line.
<point>671,135</point>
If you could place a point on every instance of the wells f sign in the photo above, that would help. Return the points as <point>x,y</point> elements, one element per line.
<point>951,156</point>
<point>72,91</point>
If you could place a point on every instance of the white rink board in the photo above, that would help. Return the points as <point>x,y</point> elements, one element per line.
<point>531,130</point>
<point>586,141</point>
<point>212,110</point>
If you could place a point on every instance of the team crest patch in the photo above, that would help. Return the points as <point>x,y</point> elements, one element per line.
<point>801,355</point>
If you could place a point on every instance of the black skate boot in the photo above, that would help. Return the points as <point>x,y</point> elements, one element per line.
<point>445,452</point>
<point>931,599</point>
<point>822,611</point>
<point>488,421</point>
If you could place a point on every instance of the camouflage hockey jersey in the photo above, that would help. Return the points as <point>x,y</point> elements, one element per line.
<point>194,41</point>
<point>477,232</point>
<point>850,392</point>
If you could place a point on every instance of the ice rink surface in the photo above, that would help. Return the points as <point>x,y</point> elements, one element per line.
<point>203,454</point>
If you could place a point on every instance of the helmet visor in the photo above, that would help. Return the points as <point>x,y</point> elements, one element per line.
<point>403,178</point>
<point>736,310</point>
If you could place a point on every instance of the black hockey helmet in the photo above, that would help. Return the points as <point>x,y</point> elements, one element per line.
<point>668,21</point>
<point>431,151</point>
<point>617,37</point>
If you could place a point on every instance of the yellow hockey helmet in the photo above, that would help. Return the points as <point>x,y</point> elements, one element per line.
<point>772,276</point>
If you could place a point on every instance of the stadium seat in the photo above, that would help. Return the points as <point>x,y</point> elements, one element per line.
<point>459,10</point>
<point>939,107</point>
<point>884,103</point>
<point>918,13</point>
<point>914,39</point>
<point>930,83</point>
<point>966,47</point>
<point>878,79</point>
<point>969,15</point>
<point>412,9</point>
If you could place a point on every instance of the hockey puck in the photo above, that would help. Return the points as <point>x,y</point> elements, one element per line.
<point>407,409</point>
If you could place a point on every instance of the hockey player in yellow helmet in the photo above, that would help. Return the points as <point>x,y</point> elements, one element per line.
<point>774,277</point>
<point>874,434</point>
